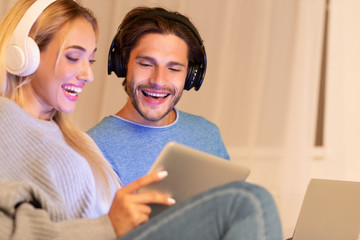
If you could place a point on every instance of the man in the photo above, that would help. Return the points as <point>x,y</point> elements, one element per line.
<point>159,53</point>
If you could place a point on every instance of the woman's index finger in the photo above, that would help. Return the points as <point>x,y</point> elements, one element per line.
<point>144,181</point>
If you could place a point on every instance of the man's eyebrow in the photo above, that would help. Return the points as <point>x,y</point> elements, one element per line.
<point>150,59</point>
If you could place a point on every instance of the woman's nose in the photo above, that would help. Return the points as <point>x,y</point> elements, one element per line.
<point>86,74</point>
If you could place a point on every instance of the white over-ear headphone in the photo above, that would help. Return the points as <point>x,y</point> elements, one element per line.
<point>22,53</point>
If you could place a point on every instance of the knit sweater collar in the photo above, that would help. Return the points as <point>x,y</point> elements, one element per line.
<point>13,113</point>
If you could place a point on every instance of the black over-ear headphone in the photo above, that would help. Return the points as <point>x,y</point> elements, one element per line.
<point>22,53</point>
<point>195,74</point>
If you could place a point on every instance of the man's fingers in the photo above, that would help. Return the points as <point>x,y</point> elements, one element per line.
<point>144,181</point>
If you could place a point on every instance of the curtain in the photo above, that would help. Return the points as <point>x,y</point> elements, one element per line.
<point>343,91</point>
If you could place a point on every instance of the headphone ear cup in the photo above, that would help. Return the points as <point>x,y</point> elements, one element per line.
<point>22,53</point>
<point>33,57</point>
<point>188,79</point>
<point>23,63</point>
<point>15,59</point>
<point>119,67</point>
<point>114,60</point>
<point>122,67</point>
<point>110,62</point>
<point>192,78</point>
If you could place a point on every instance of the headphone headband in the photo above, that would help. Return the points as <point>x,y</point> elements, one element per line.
<point>22,53</point>
<point>196,73</point>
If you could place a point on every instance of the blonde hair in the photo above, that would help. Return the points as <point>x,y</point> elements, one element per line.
<point>52,19</point>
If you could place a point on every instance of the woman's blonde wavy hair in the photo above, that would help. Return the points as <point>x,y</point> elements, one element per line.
<point>53,18</point>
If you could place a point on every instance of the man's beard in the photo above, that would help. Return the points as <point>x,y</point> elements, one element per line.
<point>150,116</point>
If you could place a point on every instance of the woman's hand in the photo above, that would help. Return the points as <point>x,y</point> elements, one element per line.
<point>130,209</point>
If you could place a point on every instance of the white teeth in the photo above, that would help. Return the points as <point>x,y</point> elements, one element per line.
<point>158,95</point>
<point>74,90</point>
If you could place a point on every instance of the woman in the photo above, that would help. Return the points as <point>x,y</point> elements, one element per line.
<point>54,182</point>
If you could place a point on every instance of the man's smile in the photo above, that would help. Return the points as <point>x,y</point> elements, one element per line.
<point>155,95</point>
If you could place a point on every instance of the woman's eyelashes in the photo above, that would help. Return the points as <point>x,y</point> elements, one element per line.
<point>73,59</point>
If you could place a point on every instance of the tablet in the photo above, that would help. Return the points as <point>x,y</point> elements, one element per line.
<point>191,172</point>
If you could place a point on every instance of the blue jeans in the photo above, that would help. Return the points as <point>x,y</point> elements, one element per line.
<point>238,210</point>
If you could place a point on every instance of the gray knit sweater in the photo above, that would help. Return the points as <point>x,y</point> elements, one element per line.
<point>47,190</point>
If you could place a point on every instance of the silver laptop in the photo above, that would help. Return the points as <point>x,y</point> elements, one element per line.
<point>330,210</point>
<point>191,172</point>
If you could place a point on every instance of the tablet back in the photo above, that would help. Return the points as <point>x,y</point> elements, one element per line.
<point>192,172</point>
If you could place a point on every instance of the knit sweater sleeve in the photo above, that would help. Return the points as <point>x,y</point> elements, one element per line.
<point>47,190</point>
<point>21,217</point>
